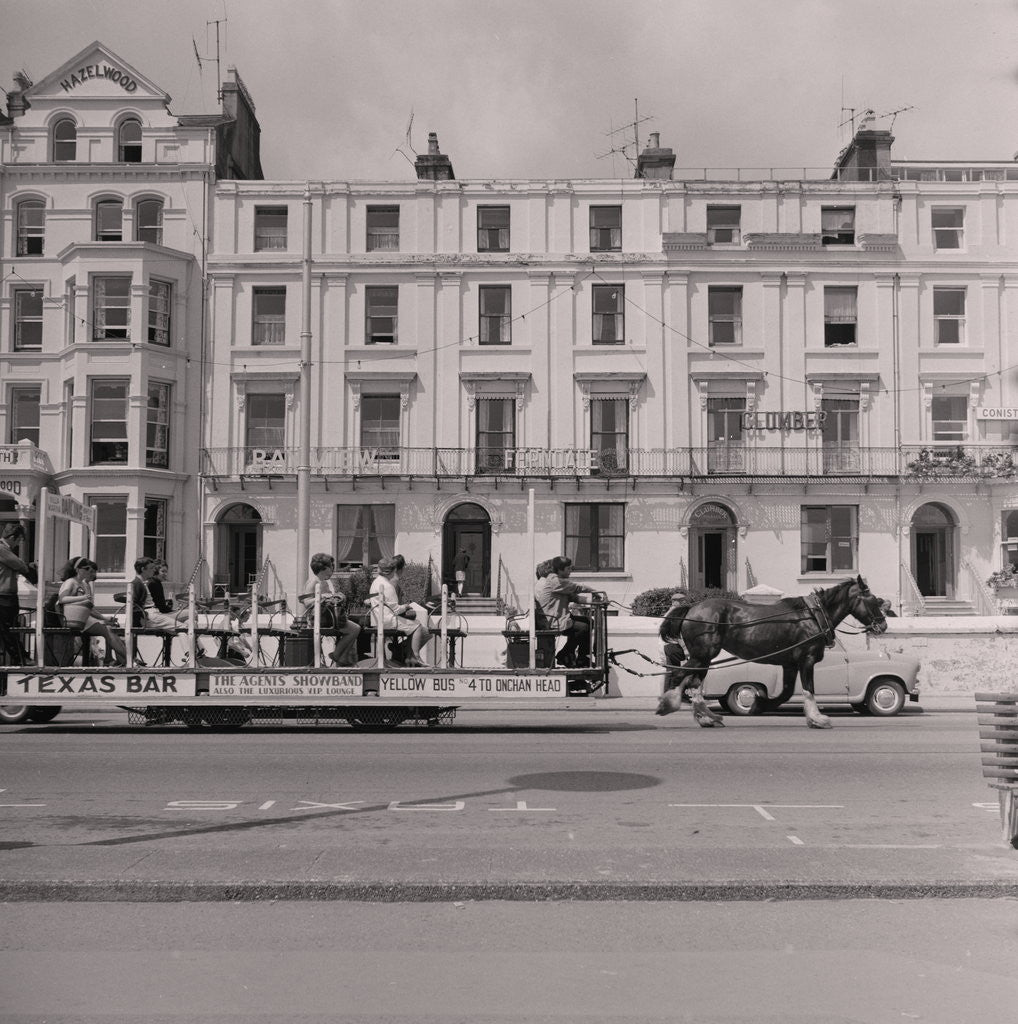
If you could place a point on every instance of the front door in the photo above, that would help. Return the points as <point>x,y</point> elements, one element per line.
<point>242,564</point>
<point>468,528</point>
<point>709,569</point>
<point>472,538</point>
<point>931,563</point>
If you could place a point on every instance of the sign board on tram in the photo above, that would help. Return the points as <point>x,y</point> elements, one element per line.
<point>71,683</point>
<point>465,685</point>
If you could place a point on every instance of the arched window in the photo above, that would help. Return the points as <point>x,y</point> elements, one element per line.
<point>109,220</point>
<point>129,141</point>
<point>65,140</point>
<point>31,227</point>
<point>148,221</point>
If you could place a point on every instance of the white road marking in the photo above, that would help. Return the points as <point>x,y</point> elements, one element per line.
<point>521,805</point>
<point>761,809</point>
<point>312,805</point>
<point>456,805</point>
<point>265,806</point>
<point>795,841</point>
<point>890,846</point>
<point>22,805</point>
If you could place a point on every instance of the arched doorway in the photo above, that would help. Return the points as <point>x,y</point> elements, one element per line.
<point>932,550</point>
<point>238,548</point>
<point>468,527</point>
<point>711,546</point>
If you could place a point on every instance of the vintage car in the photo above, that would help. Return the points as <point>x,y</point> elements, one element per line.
<point>869,683</point>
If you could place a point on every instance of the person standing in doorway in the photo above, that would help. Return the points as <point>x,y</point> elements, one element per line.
<point>460,565</point>
<point>11,567</point>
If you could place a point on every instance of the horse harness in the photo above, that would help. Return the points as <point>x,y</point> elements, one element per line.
<point>820,617</point>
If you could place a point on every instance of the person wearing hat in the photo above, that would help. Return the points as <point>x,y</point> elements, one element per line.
<point>11,567</point>
<point>671,635</point>
<point>384,602</point>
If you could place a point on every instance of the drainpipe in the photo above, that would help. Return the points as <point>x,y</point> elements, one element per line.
<point>304,456</point>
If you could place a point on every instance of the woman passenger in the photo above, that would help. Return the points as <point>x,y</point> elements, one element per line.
<point>76,591</point>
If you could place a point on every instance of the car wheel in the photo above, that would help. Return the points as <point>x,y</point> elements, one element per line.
<point>886,697</point>
<point>41,715</point>
<point>745,699</point>
<point>14,714</point>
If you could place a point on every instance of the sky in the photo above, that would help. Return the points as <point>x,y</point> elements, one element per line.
<point>544,88</point>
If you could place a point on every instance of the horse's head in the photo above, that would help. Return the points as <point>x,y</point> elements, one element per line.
<point>867,607</point>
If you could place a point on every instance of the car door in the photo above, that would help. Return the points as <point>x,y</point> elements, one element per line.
<point>830,677</point>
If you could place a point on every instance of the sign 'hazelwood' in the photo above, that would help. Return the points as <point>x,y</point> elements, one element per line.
<point>107,71</point>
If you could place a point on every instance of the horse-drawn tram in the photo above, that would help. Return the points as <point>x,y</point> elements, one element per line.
<point>264,673</point>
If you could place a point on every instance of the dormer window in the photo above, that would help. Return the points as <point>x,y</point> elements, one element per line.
<point>129,141</point>
<point>109,221</point>
<point>65,140</point>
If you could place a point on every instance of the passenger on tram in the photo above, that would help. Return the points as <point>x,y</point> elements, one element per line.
<point>334,621</point>
<point>145,613</point>
<point>553,595</point>
<point>76,600</point>
<point>11,567</point>
<point>408,617</point>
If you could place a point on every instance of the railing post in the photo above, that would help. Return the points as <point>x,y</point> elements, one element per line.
<point>255,649</point>
<point>129,623</point>
<point>316,639</point>
<point>192,613</point>
<point>445,626</point>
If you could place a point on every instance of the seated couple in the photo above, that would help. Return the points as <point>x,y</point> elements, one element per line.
<point>333,620</point>
<point>406,616</point>
<point>75,601</point>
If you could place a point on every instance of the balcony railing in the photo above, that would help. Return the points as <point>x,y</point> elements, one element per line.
<point>24,456</point>
<point>915,462</point>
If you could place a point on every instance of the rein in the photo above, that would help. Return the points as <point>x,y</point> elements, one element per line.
<point>613,656</point>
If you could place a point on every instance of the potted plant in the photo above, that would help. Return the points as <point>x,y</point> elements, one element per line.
<point>1004,582</point>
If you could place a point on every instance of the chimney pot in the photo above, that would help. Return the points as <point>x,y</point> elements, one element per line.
<point>433,165</point>
<point>655,162</point>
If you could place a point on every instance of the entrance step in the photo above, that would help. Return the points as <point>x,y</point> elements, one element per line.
<point>948,606</point>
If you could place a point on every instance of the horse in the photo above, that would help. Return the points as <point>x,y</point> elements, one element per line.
<point>792,632</point>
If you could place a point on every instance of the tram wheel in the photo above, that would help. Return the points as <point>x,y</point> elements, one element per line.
<point>377,719</point>
<point>226,719</point>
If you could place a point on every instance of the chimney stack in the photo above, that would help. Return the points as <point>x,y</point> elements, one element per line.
<point>433,165</point>
<point>868,156</point>
<point>655,162</point>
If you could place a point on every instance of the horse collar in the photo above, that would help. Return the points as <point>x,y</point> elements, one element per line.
<point>820,616</point>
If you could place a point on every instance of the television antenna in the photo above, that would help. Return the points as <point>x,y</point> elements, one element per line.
<point>212,60</point>
<point>633,126</point>
<point>409,141</point>
<point>868,113</point>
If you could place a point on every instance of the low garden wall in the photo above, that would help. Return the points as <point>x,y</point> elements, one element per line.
<point>959,654</point>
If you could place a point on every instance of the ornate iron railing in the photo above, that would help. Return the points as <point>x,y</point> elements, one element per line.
<point>916,462</point>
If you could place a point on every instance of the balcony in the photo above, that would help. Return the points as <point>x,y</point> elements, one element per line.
<point>727,461</point>
<point>24,455</point>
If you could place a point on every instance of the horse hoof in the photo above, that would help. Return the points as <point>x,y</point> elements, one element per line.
<point>818,723</point>
<point>669,702</point>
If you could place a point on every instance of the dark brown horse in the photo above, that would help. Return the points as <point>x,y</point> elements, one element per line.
<point>793,633</point>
